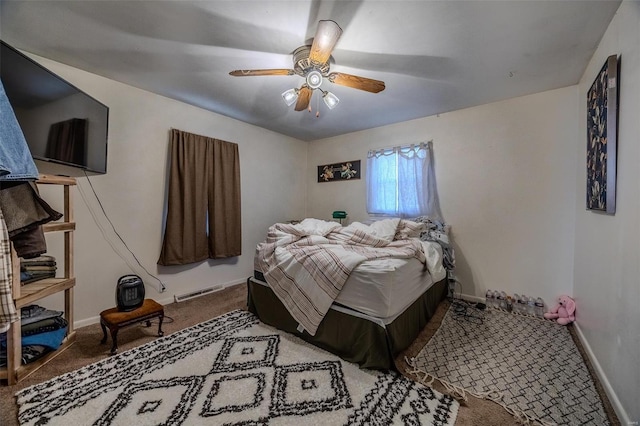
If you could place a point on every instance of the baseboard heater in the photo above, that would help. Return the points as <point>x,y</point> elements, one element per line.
<point>197,293</point>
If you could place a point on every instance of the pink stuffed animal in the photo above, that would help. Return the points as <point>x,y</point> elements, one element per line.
<point>564,311</point>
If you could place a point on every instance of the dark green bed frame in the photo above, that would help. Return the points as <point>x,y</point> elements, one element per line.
<point>352,338</point>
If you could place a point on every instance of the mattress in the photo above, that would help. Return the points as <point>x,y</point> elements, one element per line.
<point>384,288</point>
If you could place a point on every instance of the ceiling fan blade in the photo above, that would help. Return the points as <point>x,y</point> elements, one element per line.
<point>304,97</point>
<point>326,37</point>
<point>251,73</point>
<point>362,83</point>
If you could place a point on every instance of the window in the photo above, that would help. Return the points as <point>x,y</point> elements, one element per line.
<point>401,182</point>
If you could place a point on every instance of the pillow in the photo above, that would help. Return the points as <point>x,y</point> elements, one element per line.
<point>359,226</point>
<point>409,229</point>
<point>385,229</point>
<point>320,227</point>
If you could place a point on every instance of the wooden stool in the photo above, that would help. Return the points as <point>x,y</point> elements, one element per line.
<point>115,320</point>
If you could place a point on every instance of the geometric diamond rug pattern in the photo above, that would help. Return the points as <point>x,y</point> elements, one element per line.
<point>231,370</point>
<point>530,366</point>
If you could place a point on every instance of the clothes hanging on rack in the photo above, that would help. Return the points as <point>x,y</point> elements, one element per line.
<point>16,162</point>
<point>24,211</point>
<point>8,312</point>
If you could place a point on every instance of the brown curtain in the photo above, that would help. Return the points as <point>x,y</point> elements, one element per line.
<point>203,215</point>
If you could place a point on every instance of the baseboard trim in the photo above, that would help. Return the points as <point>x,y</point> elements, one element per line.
<point>165,301</point>
<point>608,389</point>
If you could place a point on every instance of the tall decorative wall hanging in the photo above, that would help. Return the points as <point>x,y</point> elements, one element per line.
<point>602,138</point>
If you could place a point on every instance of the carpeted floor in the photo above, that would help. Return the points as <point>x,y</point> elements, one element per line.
<point>87,349</point>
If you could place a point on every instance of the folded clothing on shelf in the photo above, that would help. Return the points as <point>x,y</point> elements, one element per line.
<point>36,346</point>
<point>42,331</point>
<point>37,268</point>
<point>33,313</point>
<point>43,326</point>
<point>29,277</point>
<point>43,260</point>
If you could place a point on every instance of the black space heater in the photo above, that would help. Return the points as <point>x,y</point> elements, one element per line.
<point>129,293</point>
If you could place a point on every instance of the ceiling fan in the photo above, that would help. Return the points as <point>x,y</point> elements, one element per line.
<point>312,63</point>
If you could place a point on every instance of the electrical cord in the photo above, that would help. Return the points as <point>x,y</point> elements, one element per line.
<point>467,311</point>
<point>463,310</point>
<point>162,285</point>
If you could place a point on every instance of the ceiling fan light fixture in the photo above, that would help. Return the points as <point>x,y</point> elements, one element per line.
<point>330,100</point>
<point>290,96</point>
<point>314,79</point>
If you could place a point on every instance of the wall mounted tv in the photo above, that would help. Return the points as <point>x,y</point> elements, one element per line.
<point>61,123</point>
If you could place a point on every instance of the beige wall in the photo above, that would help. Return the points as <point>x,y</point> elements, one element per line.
<point>607,248</point>
<point>133,193</point>
<point>505,174</point>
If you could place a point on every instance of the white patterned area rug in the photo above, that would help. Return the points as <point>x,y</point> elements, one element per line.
<point>231,370</point>
<point>530,366</point>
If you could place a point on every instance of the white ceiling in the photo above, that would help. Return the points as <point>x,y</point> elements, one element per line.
<point>434,56</point>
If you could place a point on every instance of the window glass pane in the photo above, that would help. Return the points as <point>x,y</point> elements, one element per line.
<point>396,182</point>
<point>382,182</point>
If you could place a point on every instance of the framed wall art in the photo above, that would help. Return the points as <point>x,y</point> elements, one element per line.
<point>347,170</point>
<point>602,138</point>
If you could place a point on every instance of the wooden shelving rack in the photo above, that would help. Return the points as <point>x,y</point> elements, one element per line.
<point>30,293</point>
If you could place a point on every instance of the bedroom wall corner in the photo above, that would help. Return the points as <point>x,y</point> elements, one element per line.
<point>607,254</point>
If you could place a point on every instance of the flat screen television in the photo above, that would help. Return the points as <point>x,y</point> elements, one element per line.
<point>61,123</point>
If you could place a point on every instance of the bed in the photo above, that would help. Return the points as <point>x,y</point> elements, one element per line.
<point>384,302</point>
